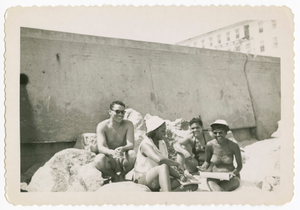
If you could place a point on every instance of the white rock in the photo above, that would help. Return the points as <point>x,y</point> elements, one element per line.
<point>124,187</point>
<point>136,118</point>
<point>68,170</point>
<point>276,134</point>
<point>147,116</point>
<point>263,160</point>
<point>88,142</point>
<point>24,187</point>
<point>270,183</point>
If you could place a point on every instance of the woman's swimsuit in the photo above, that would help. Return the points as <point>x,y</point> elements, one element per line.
<point>199,152</point>
<point>226,159</point>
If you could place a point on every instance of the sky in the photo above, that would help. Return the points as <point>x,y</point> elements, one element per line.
<point>162,25</point>
<point>151,24</point>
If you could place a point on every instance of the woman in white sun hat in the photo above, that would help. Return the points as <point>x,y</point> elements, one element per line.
<point>220,154</point>
<point>152,166</point>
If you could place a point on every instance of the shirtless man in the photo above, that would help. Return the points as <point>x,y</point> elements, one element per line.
<point>191,149</point>
<point>115,140</point>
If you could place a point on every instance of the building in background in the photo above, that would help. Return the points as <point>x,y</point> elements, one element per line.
<point>258,37</point>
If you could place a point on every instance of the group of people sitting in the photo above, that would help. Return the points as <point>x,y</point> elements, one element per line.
<point>152,167</point>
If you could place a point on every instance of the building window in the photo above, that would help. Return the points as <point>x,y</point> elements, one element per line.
<point>260,27</point>
<point>228,36</point>
<point>210,41</point>
<point>262,46</point>
<point>275,43</point>
<point>203,43</point>
<point>273,23</point>
<point>219,39</point>
<point>195,43</point>
<point>238,48</point>
<point>237,33</point>
<point>246,31</point>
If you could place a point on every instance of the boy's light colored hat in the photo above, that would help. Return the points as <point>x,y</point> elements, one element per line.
<point>153,122</point>
<point>219,122</point>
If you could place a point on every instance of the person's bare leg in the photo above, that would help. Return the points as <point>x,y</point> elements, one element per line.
<point>176,187</point>
<point>180,159</point>
<point>128,164</point>
<point>213,185</point>
<point>175,184</point>
<point>107,166</point>
<point>230,185</point>
<point>162,174</point>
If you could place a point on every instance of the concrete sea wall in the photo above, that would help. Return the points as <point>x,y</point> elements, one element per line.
<point>69,80</point>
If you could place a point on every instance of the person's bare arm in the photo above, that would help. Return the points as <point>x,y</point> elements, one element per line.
<point>208,155</point>
<point>178,146</point>
<point>101,141</point>
<point>129,136</point>
<point>238,158</point>
<point>148,151</point>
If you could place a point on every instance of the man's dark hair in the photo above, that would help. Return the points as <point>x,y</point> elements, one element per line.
<point>196,120</point>
<point>111,106</point>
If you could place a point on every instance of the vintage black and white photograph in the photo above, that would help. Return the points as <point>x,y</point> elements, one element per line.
<point>150,101</point>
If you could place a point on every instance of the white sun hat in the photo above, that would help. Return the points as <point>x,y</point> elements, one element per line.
<point>153,122</point>
<point>219,122</point>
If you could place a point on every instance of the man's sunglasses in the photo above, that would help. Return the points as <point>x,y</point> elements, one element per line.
<point>119,111</point>
<point>218,132</point>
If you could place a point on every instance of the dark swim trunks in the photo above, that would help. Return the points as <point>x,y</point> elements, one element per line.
<point>142,180</point>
